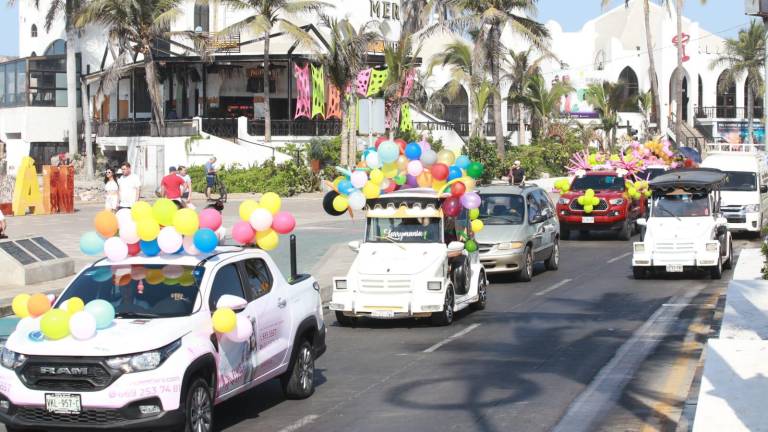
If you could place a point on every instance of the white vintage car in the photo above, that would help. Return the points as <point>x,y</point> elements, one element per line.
<point>411,263</point>
<point>685,229</point>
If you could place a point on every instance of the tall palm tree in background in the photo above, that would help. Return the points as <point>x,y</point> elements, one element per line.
<point>264,16</point>
<point>520,68</point>
<point>543,102</point>
<point>608,99</point>
<point>343,60</point>
<point>402,60</point>
<point>745,56</point>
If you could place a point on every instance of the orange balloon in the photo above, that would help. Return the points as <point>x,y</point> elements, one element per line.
<point>124,280</point>
<point>38,305</point>
<point>106,223</point>
<point>402,163</point>
<point>424,179</point>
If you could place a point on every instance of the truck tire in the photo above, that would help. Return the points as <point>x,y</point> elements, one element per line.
<point>716,272</point>
<point>729,264</point>
<point>526,273</point>
<point>482,293</point>
<point>343,320</point>
<point>445,317</point>
<point>639,272</point>
<point>553,262</point>
<point>198,406</point>
<point>625,233</point>
<point>461,275</point>
<point>299,380</point>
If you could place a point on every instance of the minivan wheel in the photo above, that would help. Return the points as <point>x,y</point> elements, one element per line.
<point>717,271</point>
<point>482,294</point>
<point>343,320</point>
<point>729,264</point>
<point>445,317</point>
<point>526,274</point>
<point>198,407</point>
<point>299,381</point>
<point>553,262</point>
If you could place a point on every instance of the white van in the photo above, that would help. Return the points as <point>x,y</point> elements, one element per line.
<point>745,194</point>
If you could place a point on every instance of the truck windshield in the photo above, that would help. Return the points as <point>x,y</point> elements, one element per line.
<point>681,205</point>
<point>140,291</point>
<point>404,230</point>
<point>740,181</point>
<point>598,182</point>
<point>502,209</point>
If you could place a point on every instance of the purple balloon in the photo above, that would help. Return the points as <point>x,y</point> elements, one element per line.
<point>411,180</point>
<point>470,200</point>
<point>425,146</point>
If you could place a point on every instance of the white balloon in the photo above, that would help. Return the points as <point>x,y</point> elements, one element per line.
<point>428,158</point>
<point>261,219</point>
<point>128,232</point>
<point>372,160</point>
<point>169,240</point>
<point>356,200</point>
<point>82,326</point>
<point>243,330</point>
<point>123,215</point>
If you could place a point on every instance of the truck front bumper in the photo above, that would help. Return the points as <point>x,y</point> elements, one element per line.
<point>749,222</point>
<point>689,260</point>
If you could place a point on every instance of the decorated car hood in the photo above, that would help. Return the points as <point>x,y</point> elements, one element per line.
<point>684,230</point>
<point>389,259</point>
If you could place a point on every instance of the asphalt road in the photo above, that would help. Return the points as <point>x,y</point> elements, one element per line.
<point>517,366</point>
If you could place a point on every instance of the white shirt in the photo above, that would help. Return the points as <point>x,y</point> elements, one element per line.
<point>2,218</point>
<point>129,189</point>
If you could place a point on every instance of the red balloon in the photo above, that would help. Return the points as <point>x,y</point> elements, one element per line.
<point>439,171</point>
<point>391,188</point>
<point>458,189</point>
<point>451,207</point>
<point>379,140</point>
<point>133,249</point>
<point>402,144</point>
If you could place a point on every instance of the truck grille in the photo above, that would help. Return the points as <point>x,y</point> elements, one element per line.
<point>385,285</point>
<point>602,206</point>
<point>675,247</point>
<point>484,247</point>
<point>87,417</point>
<point>96,378</point>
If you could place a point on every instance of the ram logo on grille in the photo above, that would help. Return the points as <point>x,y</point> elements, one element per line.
<point>74,371</point>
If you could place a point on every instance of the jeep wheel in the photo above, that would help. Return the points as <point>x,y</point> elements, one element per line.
<point>482,293</point>
<point>343,320</point>
<point>526,274</point>
<point>729,264</point>
<point>639,272</point>
<point>553,262</point>
<point>461,275</point>
<point>198,407</point>
<point>626,230</point>
<point>445,317</point>
<point>717,271</point>
<point>299,381</point>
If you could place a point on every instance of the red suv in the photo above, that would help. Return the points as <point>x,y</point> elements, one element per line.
<point>615,212</point>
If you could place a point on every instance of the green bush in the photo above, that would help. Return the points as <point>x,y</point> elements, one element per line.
<point>285,179</point>
<point>546,155</point>
<point>483,151</point>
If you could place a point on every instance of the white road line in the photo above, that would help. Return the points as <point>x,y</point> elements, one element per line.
<point>620,257</point>
<point>437,346</point>
<point>553,287</point>
<point>300,423</point>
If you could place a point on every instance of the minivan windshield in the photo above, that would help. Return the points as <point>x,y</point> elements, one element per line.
<point>740,181</point>
<point>502,209</point>
<point>598,182</point>
<point>404,230</point>
<point>681,205</point>
<point>140,291</point>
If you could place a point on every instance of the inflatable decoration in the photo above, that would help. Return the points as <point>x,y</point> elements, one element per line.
<point>588,201</point>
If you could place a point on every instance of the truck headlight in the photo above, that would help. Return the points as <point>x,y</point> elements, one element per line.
<point>713,247</point>
<point>341,284</point>
<point>510,246</point>
<point>639,247</point>
<point>616,201</point>
<point>752,208</point>
<point>10,359</point>
<point>564,201</point>
<point>143,361</point>
<point>434,286</point>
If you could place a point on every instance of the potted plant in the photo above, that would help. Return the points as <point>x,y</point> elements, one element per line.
<point>315,154</point>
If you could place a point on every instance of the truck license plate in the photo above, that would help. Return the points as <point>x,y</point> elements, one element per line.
<point>62,403</point>
<point>383,314</point>
<point>674,268</point>
<point>588,219</point>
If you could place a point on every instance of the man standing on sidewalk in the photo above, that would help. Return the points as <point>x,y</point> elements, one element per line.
<point>129,187</point>
<point>171,186</point>
<point>517,174</point>
<point>210,176</point>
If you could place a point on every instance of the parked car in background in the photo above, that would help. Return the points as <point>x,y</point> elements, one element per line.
<point>520,228</point>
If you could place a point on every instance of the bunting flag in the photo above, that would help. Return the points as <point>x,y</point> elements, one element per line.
<point>302,86</point>
<point>333,106</point>
<point>405,118</point>
<point>378,78</point>
<point>318,91</point>
<point>363,78</point>
<point>410,78</point>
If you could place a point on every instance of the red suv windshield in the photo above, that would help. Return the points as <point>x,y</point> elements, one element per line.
<point>597,182</point>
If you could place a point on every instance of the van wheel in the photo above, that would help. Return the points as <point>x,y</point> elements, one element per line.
<point>299,381</point>
<point>729,264</point>
<point>482,293</point>
<point>198,407</point>
<point>526,274</point>
<point>343,320</point>
<point>553,262</point>
<point>445,317</point>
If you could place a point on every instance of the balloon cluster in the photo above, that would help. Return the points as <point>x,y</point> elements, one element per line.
<point>74,317</point>
<point>563,185</point>
<point>397,165</point>
<point>637,190</point>
<point>152,229</point>
<point>262,221</point>
<point>234,327</point>
<point>588,201</point>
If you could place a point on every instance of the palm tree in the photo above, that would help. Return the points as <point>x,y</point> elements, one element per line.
<point>543,102</point>
<point>745,56</point>
<point>264,16</point>
<point>344,59</point>
<point>679,72</point>
<point>520,68</point>
<point>608,99</point>
<point>402,60</point>
<point>645,105</point>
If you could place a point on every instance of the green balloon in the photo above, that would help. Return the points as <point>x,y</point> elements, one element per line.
<point>470,246</point>
<point>54,324</point>
<point>588,208</point>
<point>400,179</point>
<point>474,214</point>
<point>475,170</point>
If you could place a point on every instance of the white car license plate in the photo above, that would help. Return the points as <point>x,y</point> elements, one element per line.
<point>674,268</point>
<point>62,403</point>
<point>588,220</point>
<point>383,314</point>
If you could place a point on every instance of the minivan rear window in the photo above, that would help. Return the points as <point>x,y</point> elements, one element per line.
<point>740,181</point>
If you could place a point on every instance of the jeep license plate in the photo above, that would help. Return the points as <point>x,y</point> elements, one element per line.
<point>62,403</point>
<point>674,268</point>
<point>588,220</point>
<point>383,314</point>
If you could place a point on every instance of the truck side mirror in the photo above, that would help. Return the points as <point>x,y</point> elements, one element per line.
<point>354,245</point>
<point>642,222</point>
<point>764,189</point>
<point>232,302</point>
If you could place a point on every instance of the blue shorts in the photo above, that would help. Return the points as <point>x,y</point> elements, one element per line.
<point>210,180</point>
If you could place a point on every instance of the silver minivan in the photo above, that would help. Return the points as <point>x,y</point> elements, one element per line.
<point>521,228</point>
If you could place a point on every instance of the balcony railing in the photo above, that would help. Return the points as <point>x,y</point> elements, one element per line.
<point>726,112</point>
<point>129,128</point>
<point>221,127</point>
<point>312,128</point>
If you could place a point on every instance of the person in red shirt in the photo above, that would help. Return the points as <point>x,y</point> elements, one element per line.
<point>171,186</point>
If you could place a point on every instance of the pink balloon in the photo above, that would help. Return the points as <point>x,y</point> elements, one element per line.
<point>115,249</point>
<point>210,218</point>
<point>415,168</point>
<point>283,222</point>
<point>243,330</point>
<point>261,219</point>
<point>169,240</point>
<point>189,245</point>
<point>138,273</point>
<point>243,233</point>
<point>451,207</point>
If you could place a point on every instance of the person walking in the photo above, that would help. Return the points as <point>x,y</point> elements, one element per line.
<point>186,193</point>
<point>129,187</point>
<point>112,198</point>
<point>517,174</point>
<point>171,187</point>
<point>210,176</point>
<point>3,226</point>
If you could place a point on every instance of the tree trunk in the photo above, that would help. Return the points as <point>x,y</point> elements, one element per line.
<point>153,86</point>
<point>750,115</point>
<point>679,75</point>
<point>352,157</point>
<point>496,76</point>
<point>267,113</point>
<point>652,66</point>
<point>520,125</point>
<point>345,125</point>
<point>72,89</point>
<point>612,140</point>
<point>87,129</point>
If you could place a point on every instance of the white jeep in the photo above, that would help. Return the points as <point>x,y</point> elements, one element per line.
<point>411,264</point>
<point>685,229</point>
<point>160,365</point>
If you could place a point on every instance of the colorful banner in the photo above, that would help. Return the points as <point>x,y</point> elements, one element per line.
<point>333,106</point>
<point>736,132</point>
<point>318,91</point>
<point>363,78</point>
<point>406,124</point>
<point>378,79</point>
<point>302,86</point>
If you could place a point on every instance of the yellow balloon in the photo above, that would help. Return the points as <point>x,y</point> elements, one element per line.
<point>224,320</point>
<point>247,208</point>
<point>271,201</point>
<point>186,222</point>
<point>402,163</point>
<point>54,324</point>
<point>377,176</point>
<point>147,229</point>
<point>390,170</point>
<point>438,185</point>
<point>163,210</point>
<point>340,203</point>
<point>469,183</point>
<point>141,210</point>
<point>267,240</point>
<point>19,305</point>
<point>154,276</point>
<point>477,225</point>
<point>446,157</point>
<point>74,305</point>
<point>371,190</point>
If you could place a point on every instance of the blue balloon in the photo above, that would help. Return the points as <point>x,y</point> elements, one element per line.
<point>388,152</point>
<point>454,173</point>
<point>150,248</point>
<point>102,274</point>
<point>346,187</point>
<point>102,311</point>
<point>205,240</point>
<point>462,162</point>
<point>91,243</point>
<point>413,151</point>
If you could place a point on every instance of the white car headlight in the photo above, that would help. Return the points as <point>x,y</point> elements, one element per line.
<point>341,284</point>
<point>752,208</point>
<point>564,201</point>
<point>10,359</point>
<point>639,247</point>
<point>143,361</point>
<point>434,286</point>
<point>616,201</point>
<point>713,247</point>
<point>510,246</point>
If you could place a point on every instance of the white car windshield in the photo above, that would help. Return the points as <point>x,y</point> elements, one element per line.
<point>740,181</point>
<point>681,205</point>
<point>404,230</point>
<point>502,209</point>
<point>140,291</point>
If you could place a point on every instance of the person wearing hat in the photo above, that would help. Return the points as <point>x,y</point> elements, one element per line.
<point>171,187</point>
<point>517,174</point>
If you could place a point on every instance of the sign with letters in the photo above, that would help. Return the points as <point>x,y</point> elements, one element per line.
<point>386,10</point>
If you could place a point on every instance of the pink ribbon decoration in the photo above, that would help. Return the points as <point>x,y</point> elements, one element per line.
<point>410,78</point>
<point>303,103</point>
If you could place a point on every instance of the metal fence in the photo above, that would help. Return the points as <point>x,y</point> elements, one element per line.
<point>130,128</point>
<point>314,128</point>
<point>220,127</point>
<point>727,112</point>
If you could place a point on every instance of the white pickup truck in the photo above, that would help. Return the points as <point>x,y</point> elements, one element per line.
<point>685,229</point>
<point>411,264</point>
<point>160,365</point>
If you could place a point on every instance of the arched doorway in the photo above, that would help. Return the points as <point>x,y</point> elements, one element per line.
<point>726,97</point>
<point>673,90</point>
<point>455,106</point>
<point>758,109</point>
<point>57,47</point>
<point>628,77</point>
